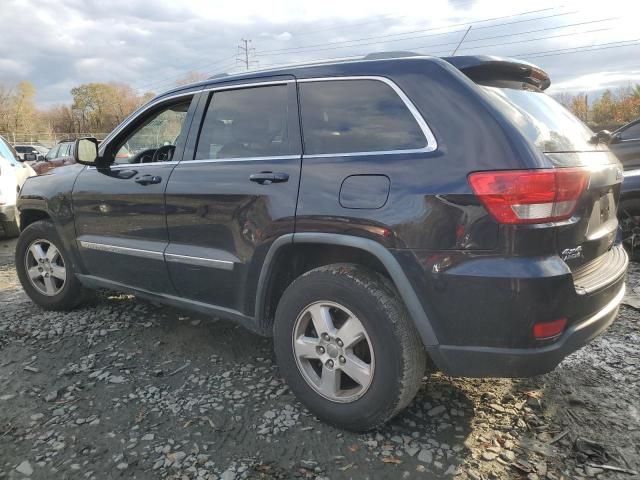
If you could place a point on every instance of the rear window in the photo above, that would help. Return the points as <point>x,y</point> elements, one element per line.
<point>546,123</point>
<point>356,116</point>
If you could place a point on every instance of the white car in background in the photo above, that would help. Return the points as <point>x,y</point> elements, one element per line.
<point>13,174</point>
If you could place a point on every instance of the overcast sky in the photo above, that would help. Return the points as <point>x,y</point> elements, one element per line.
<point>58,44</point>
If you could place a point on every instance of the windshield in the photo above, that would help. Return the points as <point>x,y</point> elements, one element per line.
<point>550,126</point>
<point>5,152</point>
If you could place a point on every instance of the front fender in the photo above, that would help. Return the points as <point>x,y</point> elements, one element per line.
<point>50,196</point>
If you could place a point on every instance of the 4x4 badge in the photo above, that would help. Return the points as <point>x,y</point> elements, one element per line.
<point>571,253</point>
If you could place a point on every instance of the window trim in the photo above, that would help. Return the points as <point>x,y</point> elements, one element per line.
<point>431,145</point>
<point>155,101</point>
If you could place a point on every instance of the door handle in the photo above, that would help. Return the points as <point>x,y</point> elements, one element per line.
<point>267,178</point>
<point>148,179</point>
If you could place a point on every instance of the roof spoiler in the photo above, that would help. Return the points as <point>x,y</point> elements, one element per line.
<point>486,68</point>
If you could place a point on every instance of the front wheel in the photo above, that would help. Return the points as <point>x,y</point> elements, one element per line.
<point>346,346</point>
<point>43,269</point>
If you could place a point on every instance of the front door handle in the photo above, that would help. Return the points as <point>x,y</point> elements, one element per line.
<point>267,178</point>
<point>148,179</point>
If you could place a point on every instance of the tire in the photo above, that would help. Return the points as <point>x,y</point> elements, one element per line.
<point>11,229</point>
<point>67,292</point>
<point>629,219</point>
<point>390,346</point>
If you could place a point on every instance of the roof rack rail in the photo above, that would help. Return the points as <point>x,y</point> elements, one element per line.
<point>392,54</point>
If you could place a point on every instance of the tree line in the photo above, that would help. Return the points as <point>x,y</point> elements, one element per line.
<point>610,110</point>
<point>95,109</point>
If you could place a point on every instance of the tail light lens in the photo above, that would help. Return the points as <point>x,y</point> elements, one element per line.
<point>530,196</point>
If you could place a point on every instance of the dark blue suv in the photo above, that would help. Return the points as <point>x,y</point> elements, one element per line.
<point>375,216</point>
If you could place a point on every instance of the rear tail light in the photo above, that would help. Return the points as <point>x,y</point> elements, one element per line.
<point>530,196</point>
<point>547,330</point>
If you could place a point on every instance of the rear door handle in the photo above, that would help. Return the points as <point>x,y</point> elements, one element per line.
<point>148,179</point>
<point>267,178</point>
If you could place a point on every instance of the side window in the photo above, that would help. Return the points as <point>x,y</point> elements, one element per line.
<point>65,150</point>
<point>53,153</point>
<point>249,122</point>
<point>631,133</point>
<point>348,116</point>
<point>5,151</point>
<point>161,129</point>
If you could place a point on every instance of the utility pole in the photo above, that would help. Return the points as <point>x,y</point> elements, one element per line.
<point>244,54</point>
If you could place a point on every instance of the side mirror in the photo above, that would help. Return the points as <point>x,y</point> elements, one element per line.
<point>30,157</point>
<point>603,136</point>
<point>41,158</point>
<point>86,151</point>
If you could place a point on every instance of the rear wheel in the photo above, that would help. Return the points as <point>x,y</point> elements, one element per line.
<point>629,218</point>
<point>346,346</point>
<point>11,229</point>
<point>43,269</point>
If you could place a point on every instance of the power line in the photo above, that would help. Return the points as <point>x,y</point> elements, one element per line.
<point>584,48</point>
<point>466,24</point>
<point>517,41</point>
<point>140,87</point>
<point>493,37</point>
<point>450,43</point>
<point>198,65</point>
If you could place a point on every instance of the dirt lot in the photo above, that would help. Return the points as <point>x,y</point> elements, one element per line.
<point>122,388</point>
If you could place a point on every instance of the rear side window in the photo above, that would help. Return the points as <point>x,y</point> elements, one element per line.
<point>356,116</point>
<point>546,123</point>
<point>250,122</point>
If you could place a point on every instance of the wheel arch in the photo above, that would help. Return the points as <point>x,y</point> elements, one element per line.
<point>328,248</point>
<point>31,215</point>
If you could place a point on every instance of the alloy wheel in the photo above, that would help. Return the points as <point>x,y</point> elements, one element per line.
<point>45,267</point>
<point>333,351</point>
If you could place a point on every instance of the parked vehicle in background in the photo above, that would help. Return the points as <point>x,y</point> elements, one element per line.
<point>23,150</point>
<point>348,210</point>
<point>629,212</point>
<point>625,143</point>
<point>13,174</point>
<point>59,156</point>
<point>42,150</point>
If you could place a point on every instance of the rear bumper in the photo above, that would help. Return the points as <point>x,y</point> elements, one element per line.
<point>523,362</point>
<point>7,213</point>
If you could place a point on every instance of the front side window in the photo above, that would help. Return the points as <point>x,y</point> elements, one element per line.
<point>349,116</point>
<point>631,133</point>
<point>249,122</point>
<point>65,150</point>
<point>155,140</point>
<point>51,154</point>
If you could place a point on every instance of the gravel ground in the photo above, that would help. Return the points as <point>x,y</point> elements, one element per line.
<point>123,388</point>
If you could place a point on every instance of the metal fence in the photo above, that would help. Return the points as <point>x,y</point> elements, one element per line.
<point>47,139</point>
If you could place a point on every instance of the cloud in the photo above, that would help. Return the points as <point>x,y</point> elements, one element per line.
<point>152,43</point>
